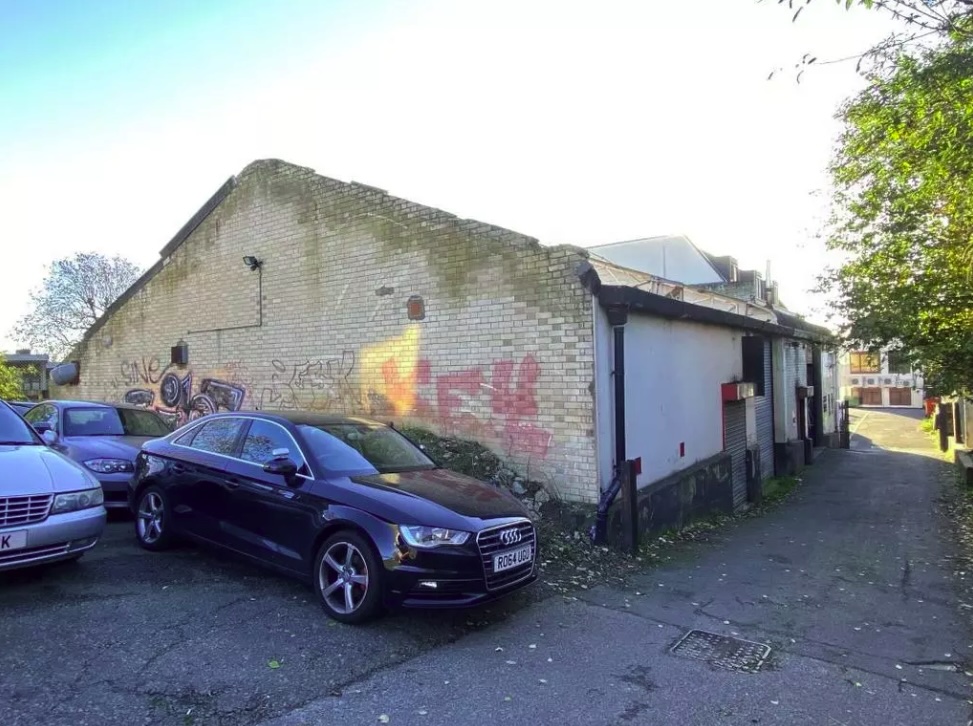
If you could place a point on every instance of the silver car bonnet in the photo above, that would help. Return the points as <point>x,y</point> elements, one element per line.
<point>39,470</point>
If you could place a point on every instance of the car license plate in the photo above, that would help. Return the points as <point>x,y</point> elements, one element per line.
<point>13,540</point>
<point>512,558</point>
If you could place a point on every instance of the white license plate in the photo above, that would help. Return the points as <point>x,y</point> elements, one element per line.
<point>512,558</point>
<point>13,540</point>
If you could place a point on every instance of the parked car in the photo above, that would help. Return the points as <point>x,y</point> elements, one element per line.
<point>50,508</point>
<point>347,504</point>
<point>103,437</point>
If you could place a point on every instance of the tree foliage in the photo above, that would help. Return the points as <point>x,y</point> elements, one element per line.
<point>11,382</point>
<point>919,22</point>
<point>75,293</point>
<point>903,210</point>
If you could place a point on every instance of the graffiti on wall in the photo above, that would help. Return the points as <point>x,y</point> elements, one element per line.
<point>174,394</point>
<point>319,385</point>
<point>495,402</point>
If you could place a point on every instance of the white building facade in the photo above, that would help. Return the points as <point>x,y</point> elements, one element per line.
<point>880,379</point>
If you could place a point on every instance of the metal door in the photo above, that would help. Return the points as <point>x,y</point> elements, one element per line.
<point>764,406</point>
<point>735,442</point>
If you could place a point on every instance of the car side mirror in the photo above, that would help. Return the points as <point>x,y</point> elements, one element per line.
<point>49,436</point>
<point>284,467</point>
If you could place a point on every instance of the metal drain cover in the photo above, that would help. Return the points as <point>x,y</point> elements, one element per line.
<point>722,651</point>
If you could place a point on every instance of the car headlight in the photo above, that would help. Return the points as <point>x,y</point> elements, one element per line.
<point>425,537</point>
<point>109,466</point>
<point>73,501</point>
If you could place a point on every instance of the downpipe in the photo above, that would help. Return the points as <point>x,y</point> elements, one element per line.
<point>599,533</point>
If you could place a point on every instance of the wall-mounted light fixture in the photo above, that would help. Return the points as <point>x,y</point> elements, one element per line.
<point>252,262</point>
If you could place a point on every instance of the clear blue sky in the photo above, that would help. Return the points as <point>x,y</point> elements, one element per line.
<point>570,120</point>
<point>72,66</point>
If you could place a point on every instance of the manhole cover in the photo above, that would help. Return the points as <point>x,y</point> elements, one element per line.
<point>723,652</point>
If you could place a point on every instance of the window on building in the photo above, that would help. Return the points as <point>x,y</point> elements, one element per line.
<point>899,362</point>
<point>863,361</point>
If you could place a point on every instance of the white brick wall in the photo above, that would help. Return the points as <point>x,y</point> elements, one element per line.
<point>504,354</point>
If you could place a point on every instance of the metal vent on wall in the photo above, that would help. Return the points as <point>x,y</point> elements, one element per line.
<point>854,381</point>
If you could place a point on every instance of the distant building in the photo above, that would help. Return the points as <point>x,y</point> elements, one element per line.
<point>673,258</point>
<point>33,368</point>
<point>880,378</point>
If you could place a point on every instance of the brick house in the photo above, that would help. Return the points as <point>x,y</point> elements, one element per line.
<point>289,290</point>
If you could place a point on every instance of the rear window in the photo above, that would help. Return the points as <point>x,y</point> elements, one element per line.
<point>113,422</point>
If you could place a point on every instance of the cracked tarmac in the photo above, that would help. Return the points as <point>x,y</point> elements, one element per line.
<point>849,582</point>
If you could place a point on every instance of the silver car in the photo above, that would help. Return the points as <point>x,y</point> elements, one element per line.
<point>50,508</point>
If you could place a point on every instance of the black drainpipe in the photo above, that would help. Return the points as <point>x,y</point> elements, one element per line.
<point>617,317</point>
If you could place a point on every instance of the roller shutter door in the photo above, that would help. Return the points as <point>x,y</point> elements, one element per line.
<point>735,438</point>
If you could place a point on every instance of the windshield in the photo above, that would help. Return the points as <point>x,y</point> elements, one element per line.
<point>350,449</point>
<point>113,422</point>
<point>14,430</point>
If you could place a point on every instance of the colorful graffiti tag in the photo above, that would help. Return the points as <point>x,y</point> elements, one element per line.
<point>173,395</point>
<point>496,402</point>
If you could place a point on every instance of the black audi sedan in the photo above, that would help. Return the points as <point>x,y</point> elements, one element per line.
<point>347,504</point>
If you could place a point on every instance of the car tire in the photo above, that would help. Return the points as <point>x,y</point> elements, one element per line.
<point>348,578</point>
<point>152,520</point>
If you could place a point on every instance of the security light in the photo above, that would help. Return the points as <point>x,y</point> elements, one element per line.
<point>252,262</point>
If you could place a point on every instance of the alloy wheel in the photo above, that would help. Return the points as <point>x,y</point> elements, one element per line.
<point>343,577</point>
<point>150,518</point>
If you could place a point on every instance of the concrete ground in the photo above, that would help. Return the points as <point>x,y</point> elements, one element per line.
<point>847,582</point>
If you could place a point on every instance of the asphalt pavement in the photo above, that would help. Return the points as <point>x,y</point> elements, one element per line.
<point>188,637</point>
<point>849,583</point>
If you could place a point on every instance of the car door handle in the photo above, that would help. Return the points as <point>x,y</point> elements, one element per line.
<point>179,468</point>
<point>232,482</point>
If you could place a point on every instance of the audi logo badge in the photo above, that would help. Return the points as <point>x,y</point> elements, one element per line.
<point>510,536</point>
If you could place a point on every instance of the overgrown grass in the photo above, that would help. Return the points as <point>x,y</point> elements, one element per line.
<point>928,425</point>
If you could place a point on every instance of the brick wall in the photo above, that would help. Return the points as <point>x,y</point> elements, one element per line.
<point>504,354</point>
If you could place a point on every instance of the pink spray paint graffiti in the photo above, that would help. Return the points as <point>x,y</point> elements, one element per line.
<point>501,407</point>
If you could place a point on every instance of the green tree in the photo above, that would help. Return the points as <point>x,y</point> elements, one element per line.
<point>75,293</point>
<point>903,209</point>
<point>11,383</point>
<point>918,22</point>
